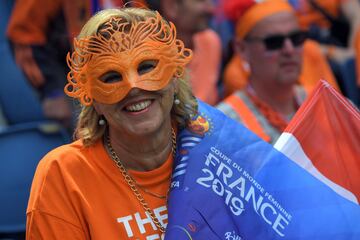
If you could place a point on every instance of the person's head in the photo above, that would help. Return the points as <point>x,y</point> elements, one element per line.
<point>189,16</point>
<point>127,67</point>
<point>269,38</point>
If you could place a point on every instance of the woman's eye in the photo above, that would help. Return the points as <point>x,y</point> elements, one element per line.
<point>111,77</point>
<point>147,66</point>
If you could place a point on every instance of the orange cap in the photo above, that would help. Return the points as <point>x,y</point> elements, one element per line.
<point>257,12</point>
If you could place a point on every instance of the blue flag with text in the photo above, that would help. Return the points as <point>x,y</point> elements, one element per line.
<point>229,184</point>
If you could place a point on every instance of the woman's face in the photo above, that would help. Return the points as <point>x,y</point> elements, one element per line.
<point>140,112</point>
<point>125,55</point>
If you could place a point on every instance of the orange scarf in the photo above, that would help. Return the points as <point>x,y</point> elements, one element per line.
<point>275,118</point>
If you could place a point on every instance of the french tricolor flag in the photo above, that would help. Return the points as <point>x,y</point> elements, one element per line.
<point>324,138</point>
<point>230,184</point>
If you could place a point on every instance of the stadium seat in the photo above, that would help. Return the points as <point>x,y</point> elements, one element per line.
<point>21,148</point>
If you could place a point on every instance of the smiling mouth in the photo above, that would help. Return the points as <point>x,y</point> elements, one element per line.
<point>138,107</point>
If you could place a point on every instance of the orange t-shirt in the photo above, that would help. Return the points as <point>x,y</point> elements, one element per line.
<point>79,193</point>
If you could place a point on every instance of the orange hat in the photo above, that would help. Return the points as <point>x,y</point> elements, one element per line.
<point>247,13</point>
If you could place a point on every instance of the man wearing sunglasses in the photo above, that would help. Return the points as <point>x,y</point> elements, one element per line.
<point>269,38</point>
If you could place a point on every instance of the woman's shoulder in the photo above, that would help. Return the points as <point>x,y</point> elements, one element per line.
<point>72,149</point>
<point>69,165</point>
<point>69,155</point>
<point>66,169</point>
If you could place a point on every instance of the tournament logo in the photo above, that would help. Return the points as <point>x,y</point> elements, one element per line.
<point>197,128</point>
<point>200,125</point>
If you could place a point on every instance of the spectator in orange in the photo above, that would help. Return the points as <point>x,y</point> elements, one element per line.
<point>314,67</point>
<point>328,19</point>
<point>335,24</point>
<point>40,42</point>
<point>191,18</point>
<point>269,38</point>
<point>40,32</point>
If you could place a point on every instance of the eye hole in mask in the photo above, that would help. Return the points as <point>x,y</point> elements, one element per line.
<point>111,77</point>
<point>144,67</point>
<point>147,66</point>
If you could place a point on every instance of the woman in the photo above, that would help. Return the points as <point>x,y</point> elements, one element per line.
<point>112,182</point>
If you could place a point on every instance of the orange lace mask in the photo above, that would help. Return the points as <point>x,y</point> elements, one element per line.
<point>121,47</point>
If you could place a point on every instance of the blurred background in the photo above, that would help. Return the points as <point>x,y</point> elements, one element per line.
<point>36,35</point>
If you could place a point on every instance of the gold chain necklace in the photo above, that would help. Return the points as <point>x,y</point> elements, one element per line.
<point>151,193</point>
<point>132,183</point>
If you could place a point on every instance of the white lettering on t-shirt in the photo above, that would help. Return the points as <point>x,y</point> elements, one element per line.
<point>125,221</point>
<point>155,237</point>
<point>141,222</point>
<point>129,223</point>
<point>161,218</point>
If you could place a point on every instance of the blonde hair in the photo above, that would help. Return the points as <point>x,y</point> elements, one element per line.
<point>88,128</point>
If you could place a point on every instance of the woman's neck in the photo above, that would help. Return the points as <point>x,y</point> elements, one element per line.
<point>143,153</point>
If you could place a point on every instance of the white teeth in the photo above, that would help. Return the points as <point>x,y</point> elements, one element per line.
<point>138,106</point>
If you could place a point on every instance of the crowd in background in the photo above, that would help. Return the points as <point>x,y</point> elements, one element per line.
<point>256,64</point>
<point>41,37</point>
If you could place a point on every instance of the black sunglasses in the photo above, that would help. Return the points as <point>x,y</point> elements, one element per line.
<point>276,42</point>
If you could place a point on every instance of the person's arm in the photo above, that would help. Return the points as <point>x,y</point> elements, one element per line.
<point>40,43</point>
<point>27,27</point>
<point>206,73</point>
<point>24,58</point>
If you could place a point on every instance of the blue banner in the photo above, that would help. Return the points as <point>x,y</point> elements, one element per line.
<point>229,184</point>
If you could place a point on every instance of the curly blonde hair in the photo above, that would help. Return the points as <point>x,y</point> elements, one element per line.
<point>88,128</point>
